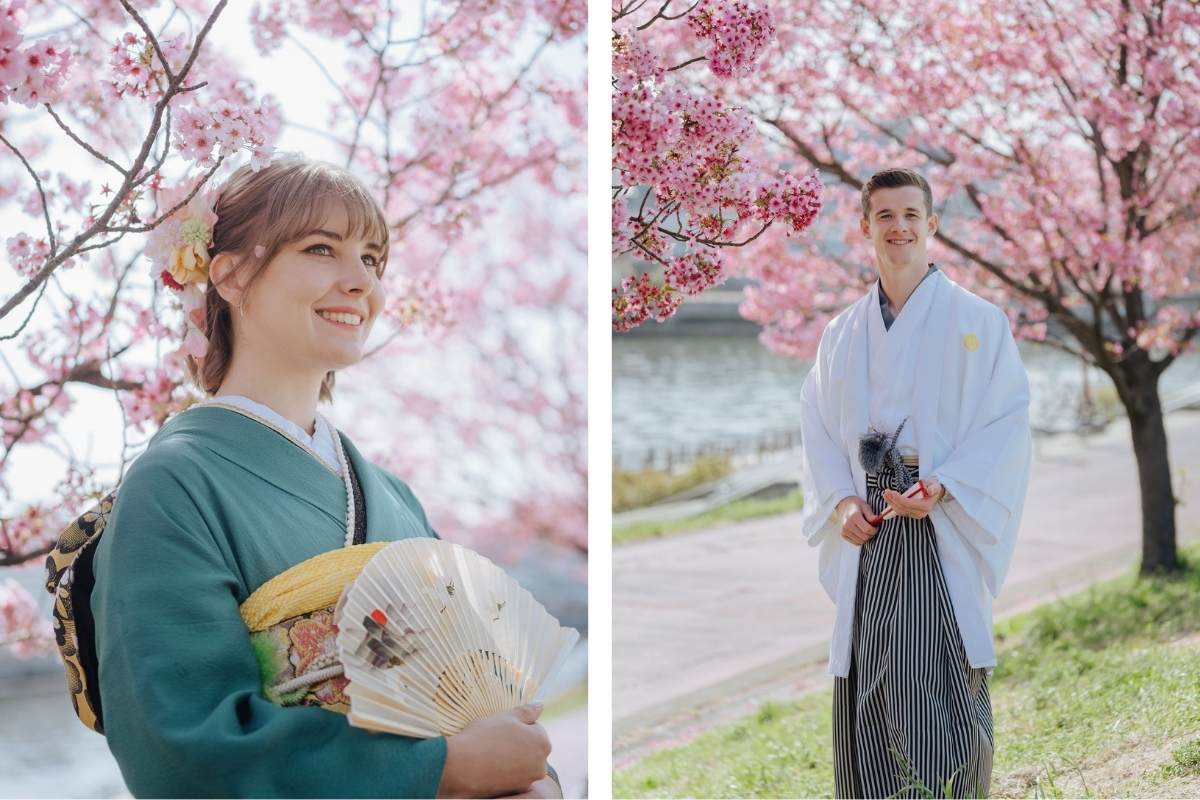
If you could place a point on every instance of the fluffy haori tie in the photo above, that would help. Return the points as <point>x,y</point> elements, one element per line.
<point>876,450</point>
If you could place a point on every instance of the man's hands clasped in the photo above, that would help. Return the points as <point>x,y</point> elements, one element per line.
<point>854,511</point>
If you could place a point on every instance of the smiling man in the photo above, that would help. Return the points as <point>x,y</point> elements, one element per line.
<point>918,379</point>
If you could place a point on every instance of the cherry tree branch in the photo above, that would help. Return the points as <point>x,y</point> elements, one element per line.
<point>174,87</point>
<point>91,150</point>
<point>41,192</point>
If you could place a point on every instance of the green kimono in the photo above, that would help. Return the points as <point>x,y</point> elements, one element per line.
<point>216,506</point>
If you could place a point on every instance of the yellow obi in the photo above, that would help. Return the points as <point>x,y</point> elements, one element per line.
<point>290,618</point>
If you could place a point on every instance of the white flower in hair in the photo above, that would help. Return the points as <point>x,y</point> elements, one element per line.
<point>178,248</point>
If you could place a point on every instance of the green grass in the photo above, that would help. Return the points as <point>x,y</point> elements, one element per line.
<point>1110,673</point>
<point>1185,761</point>
<point>646,487</point>
<point>733,512</point>
<point>781,751</point>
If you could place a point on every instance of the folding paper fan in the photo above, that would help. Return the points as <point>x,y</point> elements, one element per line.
<point>433,636</point>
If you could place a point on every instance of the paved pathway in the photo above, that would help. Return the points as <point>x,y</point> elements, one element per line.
<point>706,615</point>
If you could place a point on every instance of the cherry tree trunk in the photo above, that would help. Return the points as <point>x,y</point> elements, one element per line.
<point>1137,384</point>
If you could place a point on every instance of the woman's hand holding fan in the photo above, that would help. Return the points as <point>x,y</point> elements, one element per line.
<point>437,640</point>
<point>499,755</point>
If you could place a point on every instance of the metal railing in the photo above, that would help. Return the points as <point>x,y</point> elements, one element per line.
<point>747,449</point>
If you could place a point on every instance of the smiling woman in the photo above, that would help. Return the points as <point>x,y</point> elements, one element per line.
<point>239,489</point>
<point>316,241</point>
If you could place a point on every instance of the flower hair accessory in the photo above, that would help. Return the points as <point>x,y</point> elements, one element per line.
<point>178,252</point>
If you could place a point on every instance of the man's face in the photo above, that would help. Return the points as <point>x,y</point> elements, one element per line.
<point>899,227</point>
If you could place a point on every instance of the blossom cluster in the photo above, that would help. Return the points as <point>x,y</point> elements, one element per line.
<point>794,202</point>
<point>269,21</point>
<point>31,75</point>
<point>27,254</point>
<point>226,128</point>
<point>421,301</point>
<point>22,627</point>
<point>640,299</point>
<point>1161,337</point>
<point>153,401</point>
<point>688,184</point>
<point>737,32</point>
<point>136,67</point>
<point>699,269</point>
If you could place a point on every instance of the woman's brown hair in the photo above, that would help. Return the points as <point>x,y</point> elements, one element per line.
<point>271,208</point>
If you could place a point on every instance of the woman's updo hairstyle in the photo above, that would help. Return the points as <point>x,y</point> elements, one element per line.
<point>280,204</point>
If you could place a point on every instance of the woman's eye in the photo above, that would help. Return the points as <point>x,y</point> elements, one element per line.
<point>324,247</point>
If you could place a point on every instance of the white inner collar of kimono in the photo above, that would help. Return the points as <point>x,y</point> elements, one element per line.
<point>321,441</point>
<point>894,356</point>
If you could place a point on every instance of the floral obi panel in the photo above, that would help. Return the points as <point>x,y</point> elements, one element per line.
<point>298,661</point>
<point>290,619</point>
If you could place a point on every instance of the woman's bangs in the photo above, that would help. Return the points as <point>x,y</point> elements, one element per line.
<point>365,218</point>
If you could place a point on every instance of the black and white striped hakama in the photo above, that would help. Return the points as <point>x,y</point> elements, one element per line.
<point>912,708</point>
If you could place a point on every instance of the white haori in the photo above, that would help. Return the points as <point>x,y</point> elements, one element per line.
<point>951,365</point>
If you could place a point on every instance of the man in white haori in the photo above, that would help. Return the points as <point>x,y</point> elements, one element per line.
<point>935,370</point>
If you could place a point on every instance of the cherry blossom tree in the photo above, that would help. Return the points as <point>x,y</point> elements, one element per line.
<point>465,117</point>
<point>1063,144</point>
<point>689,182</point>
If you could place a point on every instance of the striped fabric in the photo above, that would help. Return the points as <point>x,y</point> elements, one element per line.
<point>912,709</point>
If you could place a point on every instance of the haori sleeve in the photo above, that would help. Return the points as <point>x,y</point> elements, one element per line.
<point>180,686</point>
<point>987,472</point>
<point>827,476</point>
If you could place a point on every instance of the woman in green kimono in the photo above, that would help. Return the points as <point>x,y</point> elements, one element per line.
<point>238,489</point>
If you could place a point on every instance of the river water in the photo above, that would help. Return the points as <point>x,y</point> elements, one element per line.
<point>675,393</point>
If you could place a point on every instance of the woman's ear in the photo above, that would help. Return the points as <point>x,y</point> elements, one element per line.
<point>223,276</point>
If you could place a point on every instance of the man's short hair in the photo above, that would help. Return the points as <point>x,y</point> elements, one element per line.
<point>894,178</point>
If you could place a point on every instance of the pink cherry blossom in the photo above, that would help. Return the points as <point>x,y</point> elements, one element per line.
<point>471,135</point>
<point>1062,144</point>
<point>22,626</point>
<point>689,181</point>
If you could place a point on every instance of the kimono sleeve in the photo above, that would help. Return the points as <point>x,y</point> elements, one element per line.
<point>180,686</point>
<point>988,470</point>
<point>827,476</point>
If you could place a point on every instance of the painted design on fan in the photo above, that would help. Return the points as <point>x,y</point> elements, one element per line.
<point>463,669</point>
<point>384,647</point>
<point>442,592</point>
